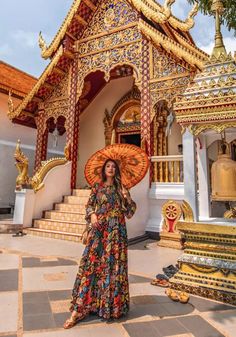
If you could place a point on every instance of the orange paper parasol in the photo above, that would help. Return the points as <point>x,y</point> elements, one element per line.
<point>132,160</point>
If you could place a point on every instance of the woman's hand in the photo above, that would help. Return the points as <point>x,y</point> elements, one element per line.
<point>94,219</point>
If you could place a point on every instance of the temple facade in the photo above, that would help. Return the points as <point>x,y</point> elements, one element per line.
<point>116,68</point>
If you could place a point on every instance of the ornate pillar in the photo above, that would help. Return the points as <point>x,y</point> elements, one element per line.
<point>203,179</point>
<point>72,123</point>
<point>145,98</point>
<point>42,140</point>
<point>190,171</point>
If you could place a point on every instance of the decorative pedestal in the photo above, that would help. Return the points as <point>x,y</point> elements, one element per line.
<point>170,237</point>
<point>158,195</point>
<point>208,265</point>
<point>24,207</point>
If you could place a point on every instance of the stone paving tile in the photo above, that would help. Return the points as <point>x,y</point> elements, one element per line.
<point>60,306</point>
<point>9,261</point>
<point>199,327</point>
<point>138,279</point>
<point>225,321</point>
<point>169,327</point>
<point>66,262</point>
<point>141,329</point>
<point>36,322</point>
<point>203,305</point>
<point>59,295</point>
<point>8,311</point>
<point>99,331</point>
<point>33,279</point>
<point>35,296</point>
<point>177,308</point>
<point>31,262</point>
<point>36,308</point>
<point>150,299</point>
<point>194,325</point>
<point>188,334</point>
<point>138,311</point>
<point>166,327</point>
<point>60,318</point>
<point>9,280</point>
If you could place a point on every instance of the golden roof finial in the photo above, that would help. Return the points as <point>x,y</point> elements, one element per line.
<point>193,11</point>
<point>42,43</point>
<point>219,49</point>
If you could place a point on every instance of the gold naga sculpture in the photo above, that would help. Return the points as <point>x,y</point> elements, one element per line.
<point>22,164</point>
<point>36,182</point>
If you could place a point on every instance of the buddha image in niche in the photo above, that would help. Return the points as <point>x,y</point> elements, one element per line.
<point>131,115</point>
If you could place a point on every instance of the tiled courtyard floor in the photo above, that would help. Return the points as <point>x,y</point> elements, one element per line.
<point>37,275</point>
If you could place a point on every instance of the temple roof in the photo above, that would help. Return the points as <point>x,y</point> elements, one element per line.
<point>149,8</point>
<point>15,80</point>
<point>212,94</point>
<point>173,36</point>
<point>209,102</point>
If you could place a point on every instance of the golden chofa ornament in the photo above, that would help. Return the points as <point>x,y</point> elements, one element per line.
<point>223,174</point>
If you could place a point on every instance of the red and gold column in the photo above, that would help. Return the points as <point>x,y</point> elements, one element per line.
<point>41,141</point>
<point>72,123</point>
<point>145,98</point>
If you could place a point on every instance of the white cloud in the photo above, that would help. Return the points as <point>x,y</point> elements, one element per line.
<point>229,42</point>
<point>5,50</point>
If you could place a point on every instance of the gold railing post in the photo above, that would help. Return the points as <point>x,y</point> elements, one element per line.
<point>172,171</point>
<point>161,171</point>
<point>167,169</point>
<point>178,171</point>
<point>155,171</point>
<point>166,172</point>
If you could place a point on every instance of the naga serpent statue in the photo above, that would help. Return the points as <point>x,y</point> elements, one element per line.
<point>36,182</point>
<point>22,164</point>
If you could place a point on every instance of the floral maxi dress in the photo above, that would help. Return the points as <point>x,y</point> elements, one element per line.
<point>101,284</point>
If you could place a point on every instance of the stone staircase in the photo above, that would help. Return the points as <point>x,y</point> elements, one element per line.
<point>66,220</point>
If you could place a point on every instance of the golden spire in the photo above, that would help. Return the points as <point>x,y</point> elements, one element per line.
<point>219,49</point>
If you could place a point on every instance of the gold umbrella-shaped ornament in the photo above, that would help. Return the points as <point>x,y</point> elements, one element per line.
<point>132,161</point>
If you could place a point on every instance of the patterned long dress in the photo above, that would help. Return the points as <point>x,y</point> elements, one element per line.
<point>101,284</point>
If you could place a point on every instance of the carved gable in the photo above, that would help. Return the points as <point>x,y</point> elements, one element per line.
<point>57,103</point>
<point>112,39</point>
<point>164,65</point>
<point>110,14</point>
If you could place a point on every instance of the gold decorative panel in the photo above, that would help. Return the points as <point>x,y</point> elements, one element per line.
<point>165,66</point>
<point>57,103</point>
<point>111,14</point>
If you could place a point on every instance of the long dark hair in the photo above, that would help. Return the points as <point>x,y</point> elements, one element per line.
<point>117,177</point>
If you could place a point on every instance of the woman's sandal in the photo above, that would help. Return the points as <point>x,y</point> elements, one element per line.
<point>172,294</point>
<point>160,283</point>
<point>183,297</point>
<point>73,320</point>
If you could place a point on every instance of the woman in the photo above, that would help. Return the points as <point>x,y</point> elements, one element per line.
<point>101,284</point>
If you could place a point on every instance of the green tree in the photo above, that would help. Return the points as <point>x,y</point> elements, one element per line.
<point>229,15</point>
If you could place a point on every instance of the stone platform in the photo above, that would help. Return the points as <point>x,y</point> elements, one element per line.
<point>37,275</point>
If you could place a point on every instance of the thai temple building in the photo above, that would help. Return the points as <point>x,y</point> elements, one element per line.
<point>128,71</point>
<point>18,83</point>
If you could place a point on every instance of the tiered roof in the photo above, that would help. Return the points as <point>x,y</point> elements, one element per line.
<point>173,37</point>
<point>212,95</point>
<point>210,100</point>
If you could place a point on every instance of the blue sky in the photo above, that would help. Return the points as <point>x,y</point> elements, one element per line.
<point>21,21</point>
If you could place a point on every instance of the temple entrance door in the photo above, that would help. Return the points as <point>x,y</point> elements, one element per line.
<point>134,139</point>
<point>126,124</point>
